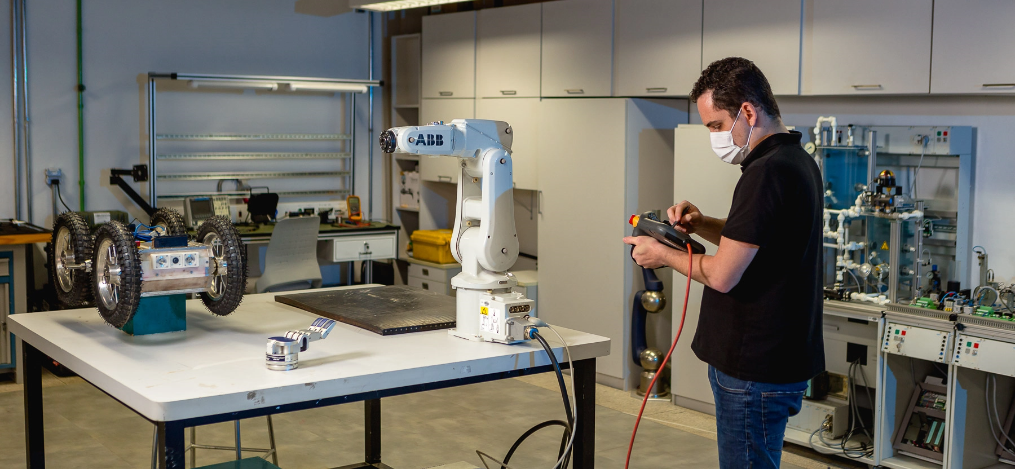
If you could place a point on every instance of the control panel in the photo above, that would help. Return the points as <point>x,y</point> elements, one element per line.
<point>916,342</point>
<point>977,353</point>
<point>176,260</point>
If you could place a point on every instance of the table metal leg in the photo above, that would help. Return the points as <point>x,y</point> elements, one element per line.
<point>585,402</point>
<point>172,449</point>
<point>35,445</point>
<point>372,424</point>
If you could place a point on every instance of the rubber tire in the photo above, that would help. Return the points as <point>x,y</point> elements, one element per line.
<point>235,253</point>
<point>171,219</point>
<point>81,240</point>
<point>130,276</point>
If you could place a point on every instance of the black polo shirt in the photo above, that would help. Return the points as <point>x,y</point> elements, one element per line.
<point>768,327</point>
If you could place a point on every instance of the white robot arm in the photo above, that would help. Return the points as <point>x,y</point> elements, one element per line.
<point>484,239</point>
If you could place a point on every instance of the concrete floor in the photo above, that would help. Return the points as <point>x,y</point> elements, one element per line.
<point>87,429</point>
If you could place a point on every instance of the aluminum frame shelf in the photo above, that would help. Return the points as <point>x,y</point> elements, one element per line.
<point>256,156</point>
<point>184,195</point>
<point>250,175</point>
<point>220,137</point>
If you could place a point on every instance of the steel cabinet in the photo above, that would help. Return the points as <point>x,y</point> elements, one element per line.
<point>449,55</point>
<point>657,47</point>
<point>866,47</point>
<point>521,114</point>
<point>577,54</point>
<point>767,33</point>
<point>507,51</point>
<point>971,43</point>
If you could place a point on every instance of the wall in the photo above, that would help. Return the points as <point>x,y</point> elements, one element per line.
<point>123,40</point>
<point>992,116</point>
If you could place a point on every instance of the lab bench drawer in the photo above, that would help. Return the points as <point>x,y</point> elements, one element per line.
<point>432,274</point>
<point>430,285</point>
<point>355,248</point>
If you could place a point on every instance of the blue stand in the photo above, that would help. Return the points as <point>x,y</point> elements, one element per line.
<point>158,314</point>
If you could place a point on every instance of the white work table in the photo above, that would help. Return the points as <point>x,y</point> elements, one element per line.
<point>215,370</point>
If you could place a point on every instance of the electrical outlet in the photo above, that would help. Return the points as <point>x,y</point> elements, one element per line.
<point>53,175</point>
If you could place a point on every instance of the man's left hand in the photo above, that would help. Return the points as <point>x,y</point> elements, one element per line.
<point>648,252</point>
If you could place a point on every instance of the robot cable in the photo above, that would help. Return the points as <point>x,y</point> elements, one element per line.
<point>662,366</point>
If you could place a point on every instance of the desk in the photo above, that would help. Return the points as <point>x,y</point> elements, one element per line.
<point>377,241</point>
<point>214,371</point>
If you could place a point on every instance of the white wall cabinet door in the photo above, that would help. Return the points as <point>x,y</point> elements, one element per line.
<point>449,55</point>
<point>866,47</point>
<point>577,57</point>
<point>522,114</point>
<point>507,51</point>
<point>443,168</point>
<point>973,42</point>
<point>767,33</point>
<point>658,47</point>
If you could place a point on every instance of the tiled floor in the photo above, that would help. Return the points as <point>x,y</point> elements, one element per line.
<point>87,429</point>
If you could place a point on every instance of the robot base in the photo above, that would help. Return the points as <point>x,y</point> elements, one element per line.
<point>491,315</point>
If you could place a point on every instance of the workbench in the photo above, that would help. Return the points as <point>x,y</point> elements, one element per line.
<point>16,276</point>
<point>215,370</point>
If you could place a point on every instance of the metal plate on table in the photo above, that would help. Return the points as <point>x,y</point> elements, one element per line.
<point>389,310</point>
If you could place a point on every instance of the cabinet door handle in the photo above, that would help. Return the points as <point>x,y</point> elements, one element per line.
<point>539,202</point>
<point>441,178</point>
<point>867,87</point>
<point>508,92</point>
<point>426,286</point>
<point>446,93</point>
<point>426,272</point>
<point>575,91</point>
<point>655,90</point>
<point>998,85</point>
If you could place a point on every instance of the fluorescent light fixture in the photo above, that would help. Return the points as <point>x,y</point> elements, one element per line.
<point>332,87</point>
<point>392,5</point>
<point>233,84</point>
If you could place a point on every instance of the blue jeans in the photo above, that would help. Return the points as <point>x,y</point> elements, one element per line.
<point>750,419</point>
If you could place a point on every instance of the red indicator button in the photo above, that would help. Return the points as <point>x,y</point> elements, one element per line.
<point>976,345</point>
<point>903,332</point>
<point>946,133</point>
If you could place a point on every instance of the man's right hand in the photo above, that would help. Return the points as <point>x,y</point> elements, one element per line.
<point>685,217</point>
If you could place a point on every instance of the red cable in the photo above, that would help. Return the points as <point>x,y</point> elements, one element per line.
<point>662,366</point>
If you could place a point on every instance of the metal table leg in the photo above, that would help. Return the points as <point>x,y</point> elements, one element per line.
<point>35,446</point>
<point>585,402</point>
<point>372,424</point>
<point>172,449</point>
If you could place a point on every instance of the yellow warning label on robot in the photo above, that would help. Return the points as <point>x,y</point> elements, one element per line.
<point>884,246</point>
<point>484,310</point>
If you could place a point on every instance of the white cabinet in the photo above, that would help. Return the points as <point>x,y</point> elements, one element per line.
<point>711,190</point>
<point>767,33</point>
<point>522,115</point>
<point>507,51</point>
<point>973,43</point>
<point>577,58</point>
<point>657,47</point>
<point>449,55</point>
<point>866,47</point>
<point>443,168</point>
<point>594,162</point>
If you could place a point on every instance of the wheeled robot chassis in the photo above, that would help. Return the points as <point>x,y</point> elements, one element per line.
<point>120,264</point>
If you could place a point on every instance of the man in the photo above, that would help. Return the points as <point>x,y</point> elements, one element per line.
<point>760,324</point>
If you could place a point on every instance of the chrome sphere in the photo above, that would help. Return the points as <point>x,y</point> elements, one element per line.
<point>650,359</point>
<point>653,301</point>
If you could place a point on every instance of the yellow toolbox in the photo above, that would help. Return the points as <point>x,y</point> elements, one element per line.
<point>432,246</point>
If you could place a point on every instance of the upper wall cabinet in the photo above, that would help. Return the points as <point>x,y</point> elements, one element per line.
<point>507,51</point>
<point>767,33</point>
<point>658,47</point>
<point>522,115</point>
<point>449,55</point>
<point>866,47</point>
<point>972,47</point>
<point>577,55</point>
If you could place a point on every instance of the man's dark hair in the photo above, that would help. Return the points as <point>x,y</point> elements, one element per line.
<point>734,81</point>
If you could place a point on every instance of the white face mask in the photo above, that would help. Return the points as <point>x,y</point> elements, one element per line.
<point>725,149</point>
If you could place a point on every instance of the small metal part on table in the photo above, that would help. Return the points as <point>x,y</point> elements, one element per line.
<point>282,353</point>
